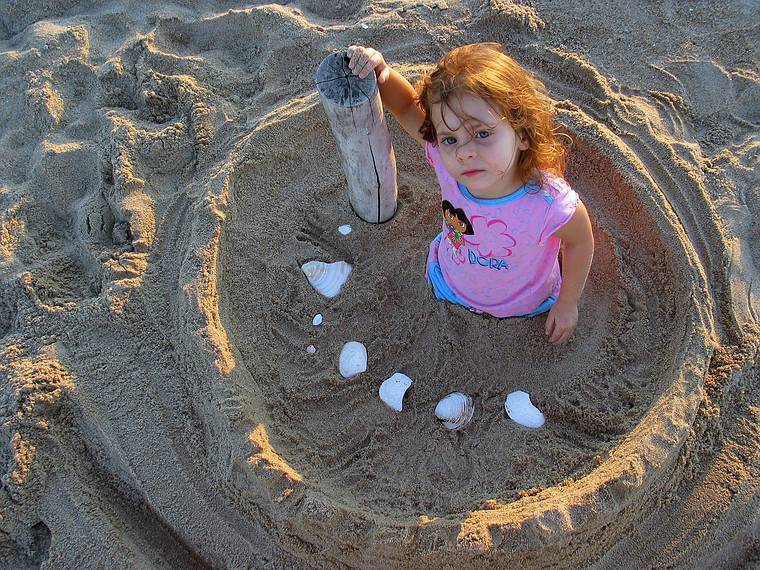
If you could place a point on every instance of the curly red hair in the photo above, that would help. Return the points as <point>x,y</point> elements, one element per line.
<point>486,71</point>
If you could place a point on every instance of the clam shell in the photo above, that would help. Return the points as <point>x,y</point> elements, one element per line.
<point>326,278</point>
<point>520,409</point>
<point>455,410</point>
<point>393,389</point>
<point>317,320</point>
<point>345,229</point>
<point>353,359</point>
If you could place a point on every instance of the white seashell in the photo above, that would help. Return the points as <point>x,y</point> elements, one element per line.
<point>317,320</point>
<point>520,409</point>
<point>311,349</point>
<point>393,389</point>
<point>455,410</point>
<point>327,278</point>
<point>345,229</point>
<point>365,26</point>
<point>353,359</point>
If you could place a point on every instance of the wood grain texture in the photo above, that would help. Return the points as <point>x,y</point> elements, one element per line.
<point>355,113</point>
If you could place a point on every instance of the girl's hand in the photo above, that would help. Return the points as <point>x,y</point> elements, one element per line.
<point>362,60</point>
<point>561,322</point>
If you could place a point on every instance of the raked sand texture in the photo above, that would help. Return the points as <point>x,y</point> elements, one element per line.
<point>166,168</point>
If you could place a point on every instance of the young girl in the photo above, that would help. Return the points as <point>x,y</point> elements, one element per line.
<point>487,128</point>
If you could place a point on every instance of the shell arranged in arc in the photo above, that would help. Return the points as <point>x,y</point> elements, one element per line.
<point>393,389</point>
<point>455,410</point>
<point>326,278</point>
<point>521,410</point>
<point>353,359</point>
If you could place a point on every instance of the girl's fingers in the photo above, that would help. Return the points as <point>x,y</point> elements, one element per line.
<point>565,336</point>
<point>549,325</point>
<point>370,63</point>
<point>558,335</point>
<point>365,69</point>
<point>356,62</point>
<point>355,54</point>
<point>363,60</point>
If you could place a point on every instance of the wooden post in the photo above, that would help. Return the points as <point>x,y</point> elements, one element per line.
<point>355,113</point>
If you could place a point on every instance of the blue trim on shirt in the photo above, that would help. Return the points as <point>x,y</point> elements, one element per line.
<point>519,193</point>
<point>543,307</point>
<point>441,289</point>
<point>443,292</point>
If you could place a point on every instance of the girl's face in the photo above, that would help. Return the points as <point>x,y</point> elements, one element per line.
<point>478,148</point>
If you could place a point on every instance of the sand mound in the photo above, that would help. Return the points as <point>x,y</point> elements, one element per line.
<point>165,172</point>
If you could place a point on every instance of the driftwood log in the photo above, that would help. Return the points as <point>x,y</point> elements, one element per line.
<point>355,113</point>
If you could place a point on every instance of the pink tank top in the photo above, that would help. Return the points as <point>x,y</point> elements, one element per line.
<point>499,256</point>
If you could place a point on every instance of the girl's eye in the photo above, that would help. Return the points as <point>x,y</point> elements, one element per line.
<point>482,134</point>
<point>448,140</point>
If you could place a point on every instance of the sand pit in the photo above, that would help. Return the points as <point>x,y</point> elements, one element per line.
<point>620,400</point>
<point>165,173</point>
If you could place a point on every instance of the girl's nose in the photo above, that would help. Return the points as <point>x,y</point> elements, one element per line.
<point>466,150</point>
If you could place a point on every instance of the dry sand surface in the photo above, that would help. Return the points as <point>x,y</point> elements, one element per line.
<point>165,169</point>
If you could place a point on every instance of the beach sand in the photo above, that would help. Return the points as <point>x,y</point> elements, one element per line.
<point>166,169</point>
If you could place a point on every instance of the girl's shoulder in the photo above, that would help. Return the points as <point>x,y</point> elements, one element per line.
<point>551,188</point>
<point>553,184</point>
<point>561,202</point>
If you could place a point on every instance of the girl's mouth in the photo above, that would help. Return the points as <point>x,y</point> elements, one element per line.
<point>471,172</point>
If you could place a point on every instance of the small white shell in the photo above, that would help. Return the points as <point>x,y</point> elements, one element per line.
<point>520,409</point>
<point>327,278</point>
<point>311,349</point>
<point>393,389</point>
<point>317,320</point>
<point>345,229</point>
<point>455,410</point>
<point>353,359</point>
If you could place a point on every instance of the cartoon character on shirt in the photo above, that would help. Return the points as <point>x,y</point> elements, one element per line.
<point>488,239</point>
<point>457,226</point>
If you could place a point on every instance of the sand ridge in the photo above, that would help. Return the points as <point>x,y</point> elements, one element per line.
<point>165,171</point>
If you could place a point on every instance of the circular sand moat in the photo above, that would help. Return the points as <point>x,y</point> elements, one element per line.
<point>618,399</point>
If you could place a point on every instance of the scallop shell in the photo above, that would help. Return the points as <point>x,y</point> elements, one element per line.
<point>393,389</point>
<point>520,409</point>
<point>327,278</point>
<point>353,359</point>
<point>455,410</point>
<point>311,349</point>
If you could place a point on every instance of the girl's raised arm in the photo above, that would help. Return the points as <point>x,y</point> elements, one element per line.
<point>397,93</point>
